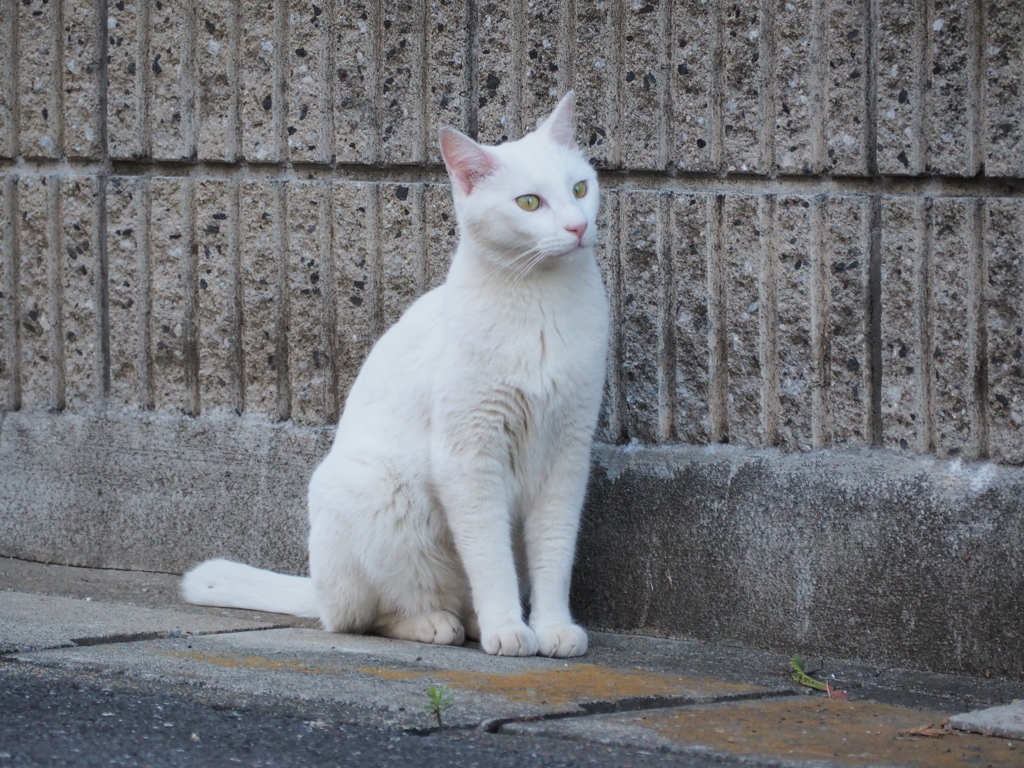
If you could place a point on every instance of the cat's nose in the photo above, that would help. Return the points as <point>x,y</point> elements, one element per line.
<point>577,229</point>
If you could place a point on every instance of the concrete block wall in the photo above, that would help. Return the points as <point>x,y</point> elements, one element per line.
<point>811,230</point>
<point>811,222</point>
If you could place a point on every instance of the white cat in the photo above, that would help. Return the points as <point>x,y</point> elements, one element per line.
<point>465,441</point>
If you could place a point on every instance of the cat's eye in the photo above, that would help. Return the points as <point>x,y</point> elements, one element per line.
<point>528,202</point>
<point>579,189</point>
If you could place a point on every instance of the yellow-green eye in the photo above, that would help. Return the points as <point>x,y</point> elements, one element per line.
<point>579,189</point>
<point>528,202</point>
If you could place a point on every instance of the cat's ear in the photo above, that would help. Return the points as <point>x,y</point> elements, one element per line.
<point>560,125</point>
<point>468,163</point>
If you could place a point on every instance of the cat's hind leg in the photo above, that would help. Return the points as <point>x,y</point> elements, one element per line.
<point>347,602</point>
<point>438,627</point>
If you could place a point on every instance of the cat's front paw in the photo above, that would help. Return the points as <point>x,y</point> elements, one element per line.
<point>510,640</point>
<point>561,640</point>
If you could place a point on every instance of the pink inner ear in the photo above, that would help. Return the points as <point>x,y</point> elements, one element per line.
<point>468,163</point>
<point>561,123</point>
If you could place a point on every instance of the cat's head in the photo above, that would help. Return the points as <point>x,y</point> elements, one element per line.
<point>526,201</point>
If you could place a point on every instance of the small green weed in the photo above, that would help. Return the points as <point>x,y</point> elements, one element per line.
<point>441,698</point>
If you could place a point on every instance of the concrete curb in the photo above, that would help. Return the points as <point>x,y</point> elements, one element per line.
<point>905,562</point>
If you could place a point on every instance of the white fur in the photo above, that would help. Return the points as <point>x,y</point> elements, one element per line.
<point>465,441</point>
<point>222,582</point>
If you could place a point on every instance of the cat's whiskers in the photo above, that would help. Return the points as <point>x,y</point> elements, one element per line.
<point>526,268</point>
<point>511,267</point>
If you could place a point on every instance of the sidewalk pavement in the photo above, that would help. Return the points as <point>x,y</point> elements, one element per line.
<point>672,696</point>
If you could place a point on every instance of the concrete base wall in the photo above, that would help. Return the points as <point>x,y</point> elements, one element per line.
<point>905,562</point>
<point>156,493</point>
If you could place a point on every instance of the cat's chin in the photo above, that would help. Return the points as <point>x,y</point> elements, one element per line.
<point>576,249</point>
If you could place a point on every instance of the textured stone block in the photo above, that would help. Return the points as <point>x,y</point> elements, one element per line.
<point>307,87</point>
<point>127,64</point>
<point>42,384</point>
<point>261,274</point>
<point>901,38</point>
<point>797,110</point>
<point>442,236</point>
<point>310,327</point>
<point>9,389</point>
<point>356,93</point>
<point>611,424</point>
<point>80,86</point>
<point>743,85</point>
<point>1004,288</point>
<point>446,61</point>
<point>354,255</point>
<point>217,41</point>
<point>402,266</point>
<point>743,265</point>
<point>848,254</point>
<point>644,287</point>
<point>954,275</point>
<point>952,132</point>
<point>128,274</point>
<point>544,61</point>
<point>171,80</point>
<point>403,135</point>
<point>794,376</point>
<point>688,234</point>
<point>903,260</point>
<point>596,79</point>
<point>8,86</point>
<point>217,306</point>
<point>693,41</point>
<point>39,78</point>
<point>1003,67</point>
<point>172,303</point>
<point>845,46</point>
<point>718,361</point>
<point>80,294</point>
<point>499,63</point>
<point>644,85</point>
<point>261,82</point>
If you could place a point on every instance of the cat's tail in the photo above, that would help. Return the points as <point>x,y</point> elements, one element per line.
<point>233,585</point>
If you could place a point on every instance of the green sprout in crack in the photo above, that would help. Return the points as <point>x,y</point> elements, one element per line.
<point>441,698</point>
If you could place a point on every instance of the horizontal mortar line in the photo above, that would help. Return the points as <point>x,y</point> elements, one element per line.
<point>700,182</point>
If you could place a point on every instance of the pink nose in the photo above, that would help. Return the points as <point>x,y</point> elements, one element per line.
<point>577,229</point>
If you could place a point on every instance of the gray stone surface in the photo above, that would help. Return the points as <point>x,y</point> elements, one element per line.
<point>158,492</point>
<point>1006,721</point>
<point>712,702</point>
<point>372,673</point>
<point>852,554</point>
<point>80,50</point>
<point>218,31</point>
<point>158,592</point>
<point>127,95</point>
<point>38,306</point>
<point>34,622</point>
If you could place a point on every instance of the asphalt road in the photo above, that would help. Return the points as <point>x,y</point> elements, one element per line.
<point>55,718</point>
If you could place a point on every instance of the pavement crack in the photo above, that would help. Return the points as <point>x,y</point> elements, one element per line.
<point>173,634</point>
<point>132,637</point>
<point>634,704</point>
